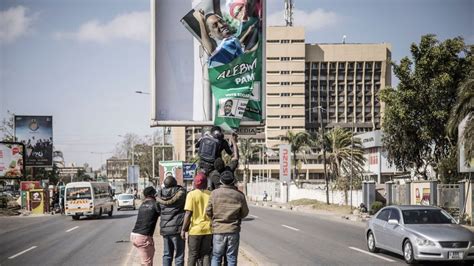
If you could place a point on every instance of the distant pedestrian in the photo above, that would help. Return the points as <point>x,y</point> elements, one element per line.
<point>142,233</point>
<point>171,201</point>
<point>214,180</point>
<point>227,207</point>
<point>265,196</point>
<point>197,224</point>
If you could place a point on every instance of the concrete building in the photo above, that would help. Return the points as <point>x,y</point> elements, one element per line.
<point>343,79</point>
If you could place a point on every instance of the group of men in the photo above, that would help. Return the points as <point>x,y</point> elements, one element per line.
<point>208,217</point>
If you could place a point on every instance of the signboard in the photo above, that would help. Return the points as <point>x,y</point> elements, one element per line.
<point>465,164</point>
<point>12,158</point>
<point>207,58</point>
<point>285,163</point>
<point>173,168</point>
<point>189,170</point>
<point>133,174</point>
<point>36,133</point>
<point>29,185</point>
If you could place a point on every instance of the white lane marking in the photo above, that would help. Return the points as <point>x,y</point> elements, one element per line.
<point>289,227</point>
<point>74,228</point>
<point>256,217</point>
<point>368,253</point>
<point>19,253</point>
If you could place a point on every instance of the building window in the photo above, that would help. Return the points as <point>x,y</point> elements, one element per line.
<point>285,83</point>
<point>285,127</point>
<point>285,116</point>
<point>285,41</point>
<point>273,83</point>
<point>273,94</point>
<point>285,94</point>
<point>273,105</point>
<point>272,58</point>
<point>273,41</point>
<point>297,105</point>
<point>297,41</point>
<point>297,72</point>
<point>285,105</point>
<point>273,72</point>
<point>297,94</point>
<point>273,116</point>
<point>297,58</point>
<point>285,72</point>
<point>297,83</point>
<point>285,59</point>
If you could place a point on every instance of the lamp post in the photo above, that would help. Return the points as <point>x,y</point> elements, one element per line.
<point>324,153</point>
<point>352,155</point>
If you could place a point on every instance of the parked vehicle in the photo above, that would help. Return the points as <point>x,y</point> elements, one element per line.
<point>88,199</point>
<point>125,201</point>
<point>419,233</point>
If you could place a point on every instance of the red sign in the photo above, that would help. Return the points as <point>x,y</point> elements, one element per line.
<point>28,185</point>
<point>285,163</point>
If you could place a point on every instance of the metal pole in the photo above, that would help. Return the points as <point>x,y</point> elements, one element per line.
<point>352,156</point>
<point>153,161</point>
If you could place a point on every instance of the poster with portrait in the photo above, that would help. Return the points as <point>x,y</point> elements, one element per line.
<point>12,157</point>
<point>223,48</point>
<point>36,133</point>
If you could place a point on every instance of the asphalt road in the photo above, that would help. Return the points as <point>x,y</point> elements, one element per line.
<point>59,240</point>
<point>291,238</point>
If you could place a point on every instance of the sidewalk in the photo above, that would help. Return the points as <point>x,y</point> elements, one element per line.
<point>245,258</point>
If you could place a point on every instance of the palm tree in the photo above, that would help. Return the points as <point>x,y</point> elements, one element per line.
<point>464,107</point>
<point>297,141</point>
<point>247,150</point>
<point>343,160</point>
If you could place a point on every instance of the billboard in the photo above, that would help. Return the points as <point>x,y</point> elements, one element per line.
<point>285,163</point>
<point>207,62</point>
<point>12,158</point>
<point>36,133</point>
<point>174,168</point>
<point>133,174</point>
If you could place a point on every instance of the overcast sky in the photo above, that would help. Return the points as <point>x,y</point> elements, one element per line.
<point>81,61</point>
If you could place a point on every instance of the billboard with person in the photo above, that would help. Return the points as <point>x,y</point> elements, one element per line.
<point>36,133</point>
<point>207,60</point>
<point>12,158</point>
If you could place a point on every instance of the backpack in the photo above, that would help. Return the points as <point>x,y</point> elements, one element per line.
<point>208,149</point>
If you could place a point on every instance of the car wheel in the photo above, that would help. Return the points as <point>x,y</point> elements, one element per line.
<point>75,217</point>
<point>371,243</point>
<point>111,212</point>
<point>408,252</point>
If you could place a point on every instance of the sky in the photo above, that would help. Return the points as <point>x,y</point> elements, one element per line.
<point>81,61</point>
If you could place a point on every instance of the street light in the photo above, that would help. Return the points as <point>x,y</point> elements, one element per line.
<point>142,92</point>
<point>324,152</point>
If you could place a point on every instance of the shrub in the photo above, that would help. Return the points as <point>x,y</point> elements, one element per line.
<point>376,206</point>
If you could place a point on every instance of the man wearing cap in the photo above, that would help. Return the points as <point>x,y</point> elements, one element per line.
<point>171,201</point>
<point>142,233</point>
<point>197,224</point>
<point>227,207</point>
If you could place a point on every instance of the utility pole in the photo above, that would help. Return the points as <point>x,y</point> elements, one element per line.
<point>324,154</point>
<point>352,155</point>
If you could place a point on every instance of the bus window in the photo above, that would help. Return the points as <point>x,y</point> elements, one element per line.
<point>78,193</point>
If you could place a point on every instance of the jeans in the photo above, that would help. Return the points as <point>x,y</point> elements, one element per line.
<point>145,246</point>
<point>199,249</point>
<point>221,242</point>
<point>173,244</point>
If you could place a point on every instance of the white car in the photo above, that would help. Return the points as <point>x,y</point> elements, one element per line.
<point>125,201</point>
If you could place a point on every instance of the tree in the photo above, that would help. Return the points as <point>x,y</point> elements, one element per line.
<point>297,141</point>
<point>6,128</point>
<point>247,151</point>
<point>345,156</point>
<point>417,110</point>
<point>464,107</point>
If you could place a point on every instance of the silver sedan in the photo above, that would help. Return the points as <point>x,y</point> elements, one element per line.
<point>419,233</point>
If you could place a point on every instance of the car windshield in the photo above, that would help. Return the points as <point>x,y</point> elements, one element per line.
<point>426,216</point>
<point>78,193</point>
<point>125,197</point>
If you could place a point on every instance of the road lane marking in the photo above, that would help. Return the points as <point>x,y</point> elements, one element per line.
<point>289,227</point>
<point>368,253</point>
<point>19,253</point>
<point>74,228</point>
<point>256,217</point>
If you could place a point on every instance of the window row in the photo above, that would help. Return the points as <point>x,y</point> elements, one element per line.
<point>286,41</point>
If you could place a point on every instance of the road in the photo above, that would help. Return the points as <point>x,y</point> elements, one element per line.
<point>59,240</point>
<point>293,238</point>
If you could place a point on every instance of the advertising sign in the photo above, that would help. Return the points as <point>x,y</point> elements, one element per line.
<point>210,64</point>
<point>285,163</point>
<point>36,133</point>
<point>173,168</point>
<point>133,174</point>
<point>189,170</point>
<point>29,185</point>
<point>12,158</point>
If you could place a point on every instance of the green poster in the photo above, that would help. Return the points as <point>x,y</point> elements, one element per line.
<point>236,88</point>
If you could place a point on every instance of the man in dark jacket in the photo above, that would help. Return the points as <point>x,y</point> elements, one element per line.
<point>219,166</point>
<point>227,207</point>
<point>142,233</point>
<point>171,201</point>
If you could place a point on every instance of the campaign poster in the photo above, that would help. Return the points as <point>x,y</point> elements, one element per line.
<point>36,133</point>
<point>12,158</point>
<point>222,49</point>
<point>171,168</point>
<point>189,170</point>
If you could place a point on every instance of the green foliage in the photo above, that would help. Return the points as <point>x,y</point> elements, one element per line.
<point>6,128</point>
<point>447,168</point>
<point>417,111</point>
<point>376,206</point>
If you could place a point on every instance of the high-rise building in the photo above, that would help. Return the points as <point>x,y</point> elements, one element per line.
<point>342,82</point>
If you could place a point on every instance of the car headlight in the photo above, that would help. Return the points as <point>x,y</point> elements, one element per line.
<point>424,242</point>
